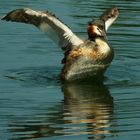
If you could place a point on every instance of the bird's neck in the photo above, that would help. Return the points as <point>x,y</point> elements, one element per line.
<point>102,44</point>
<point>93,38</point>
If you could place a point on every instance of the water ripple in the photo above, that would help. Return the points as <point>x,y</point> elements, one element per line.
<point>35,104</point>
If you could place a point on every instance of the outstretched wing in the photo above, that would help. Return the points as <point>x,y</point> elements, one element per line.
<point>48,23</point>
<point>109,16</point>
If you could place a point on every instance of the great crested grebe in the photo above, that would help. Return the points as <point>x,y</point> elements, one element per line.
<point>82,59</point>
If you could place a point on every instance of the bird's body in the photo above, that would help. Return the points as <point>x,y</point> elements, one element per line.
<point>82,59</point>
<point>88,60</point>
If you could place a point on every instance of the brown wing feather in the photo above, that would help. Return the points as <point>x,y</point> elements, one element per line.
<point>19,15</point>
<point>48,23</point>
<point>109,16</point>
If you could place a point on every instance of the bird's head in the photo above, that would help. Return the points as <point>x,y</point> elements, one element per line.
<point>96,29</point>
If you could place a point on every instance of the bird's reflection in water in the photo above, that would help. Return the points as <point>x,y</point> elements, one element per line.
<point>87,109</point>
<point>91,106</point>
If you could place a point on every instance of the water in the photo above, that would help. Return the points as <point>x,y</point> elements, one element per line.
<point>35,105</point>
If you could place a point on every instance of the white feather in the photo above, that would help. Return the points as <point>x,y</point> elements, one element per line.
<point>55,29</point>
<point>102,46</point>
<point>109,22</point>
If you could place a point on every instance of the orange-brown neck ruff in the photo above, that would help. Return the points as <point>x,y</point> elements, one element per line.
<point>91,31</point>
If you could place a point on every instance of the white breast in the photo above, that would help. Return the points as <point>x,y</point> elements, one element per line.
<point>102,46</point>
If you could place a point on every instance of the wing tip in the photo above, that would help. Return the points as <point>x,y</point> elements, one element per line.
<point>11,15</point>
<point>111,12</point>
<point>6,17</point>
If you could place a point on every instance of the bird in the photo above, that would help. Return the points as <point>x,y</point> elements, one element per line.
<point>83,59</point>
